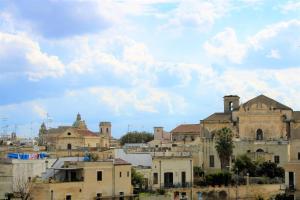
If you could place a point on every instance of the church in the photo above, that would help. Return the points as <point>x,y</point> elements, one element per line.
<point>262,128</point>
<point>75,137</point>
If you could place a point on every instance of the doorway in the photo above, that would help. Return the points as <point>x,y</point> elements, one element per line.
<point>168,179</point>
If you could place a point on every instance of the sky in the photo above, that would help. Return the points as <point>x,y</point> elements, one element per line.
<point>142,63</point>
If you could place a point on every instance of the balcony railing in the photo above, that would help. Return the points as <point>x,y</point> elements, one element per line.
<point>177,185</point>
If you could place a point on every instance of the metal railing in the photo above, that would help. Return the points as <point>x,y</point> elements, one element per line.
<point>177,185</point>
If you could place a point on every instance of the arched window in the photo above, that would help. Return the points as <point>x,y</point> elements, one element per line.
<point>259,134</point>
<point>259,151</point>
<point>69,146</point>
<point>106,130</point>
<point>230,105</point>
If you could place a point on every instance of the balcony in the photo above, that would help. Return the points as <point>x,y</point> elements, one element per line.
<point>70,174</point>
<point>177,185</point>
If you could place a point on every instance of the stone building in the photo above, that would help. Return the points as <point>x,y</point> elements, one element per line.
<point>262,128</point>
<point>161,135</point>
<point>14,173</point>
<point>75,137</point>
<point>85,180</point>
<point>186,133</point>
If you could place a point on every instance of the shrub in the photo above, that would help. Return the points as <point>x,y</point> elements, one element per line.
<point>220,178</point>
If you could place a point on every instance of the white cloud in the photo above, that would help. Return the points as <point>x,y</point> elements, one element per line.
<point>196,14</point>
<point>40,111</point>
<point>274,53</point>
<point>270,32</point>
<point>142,99</point>
<point>290,6</point>
<point>21,55</point>
<point>225,44</point>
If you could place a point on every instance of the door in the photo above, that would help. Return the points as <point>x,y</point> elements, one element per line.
<point>183,179</point>
<point>73,176</point>
<point>291,180</point>
<point>168,179</point>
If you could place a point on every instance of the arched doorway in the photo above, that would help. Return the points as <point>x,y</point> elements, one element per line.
<point>259,134</point>
<point>69,146</point>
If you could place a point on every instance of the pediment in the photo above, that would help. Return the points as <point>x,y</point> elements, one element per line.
<point>262,102</point>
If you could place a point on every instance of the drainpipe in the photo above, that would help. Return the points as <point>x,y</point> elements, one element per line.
<point>114,180</point>
<point>192,174</point>
<point>160,174</point>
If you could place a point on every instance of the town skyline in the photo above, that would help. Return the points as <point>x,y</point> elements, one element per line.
<point>140,64</point>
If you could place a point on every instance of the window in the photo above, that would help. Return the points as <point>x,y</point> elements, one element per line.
<point>100,130</point>
<point>98,196</point>
<point>69,146</point>
<point>260,151</point>
<point>128,174</point>
<point>106,130</point>
<point>99,176</point>
<point>69,133</point>
<point>120,174</point>
<point>230,106</point>
<point>298,155</point>
<point>211,161</point>
<point>183,179</point>
<point>155,178</point>
<point>68,197</point>
<point>259,134</point>
<point>276,159</point>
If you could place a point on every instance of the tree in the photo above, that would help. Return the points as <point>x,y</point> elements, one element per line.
<point>136,137</point>
<point>23,187</point>
<point>224,146</point>
<point>270,169</point>
<point>245,165</point>
<point>137,178</point>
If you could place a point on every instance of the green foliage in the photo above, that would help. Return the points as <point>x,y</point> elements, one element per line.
<point>161,191</point>
<point>259,197</point>
<point>245,165</point>
<point>283,197</point>
<point>136,137</point>
<point>220,178</point>
<point>270,170</point>
<point>136,178</point>
<point>224,146</point>
<point>198,171</point>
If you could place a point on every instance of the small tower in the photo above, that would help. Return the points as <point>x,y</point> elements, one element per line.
<point>105,128</point>
<point>158,133</point>
<point>80,124</point>
<point>231,102</point>
<point>13,136</point>
<point>78,117</point>
<point>42,132</point>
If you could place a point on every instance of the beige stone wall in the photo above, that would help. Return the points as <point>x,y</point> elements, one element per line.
<point>18,171</point>
<point>176,165</point>
<point>295,130</point>
<point>294,149</point>
<point>271,149</point>
<point>270,122</point>
<point>6,179</point>
<point>110,184</point>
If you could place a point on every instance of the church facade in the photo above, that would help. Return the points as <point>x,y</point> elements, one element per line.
<point>75,137</point>
<point>263,129</point>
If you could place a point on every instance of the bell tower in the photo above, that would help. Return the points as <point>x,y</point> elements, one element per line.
<point>231,102</point>
<point>105,128</point>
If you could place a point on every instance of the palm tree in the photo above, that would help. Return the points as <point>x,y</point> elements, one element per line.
<point>224,146</point>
